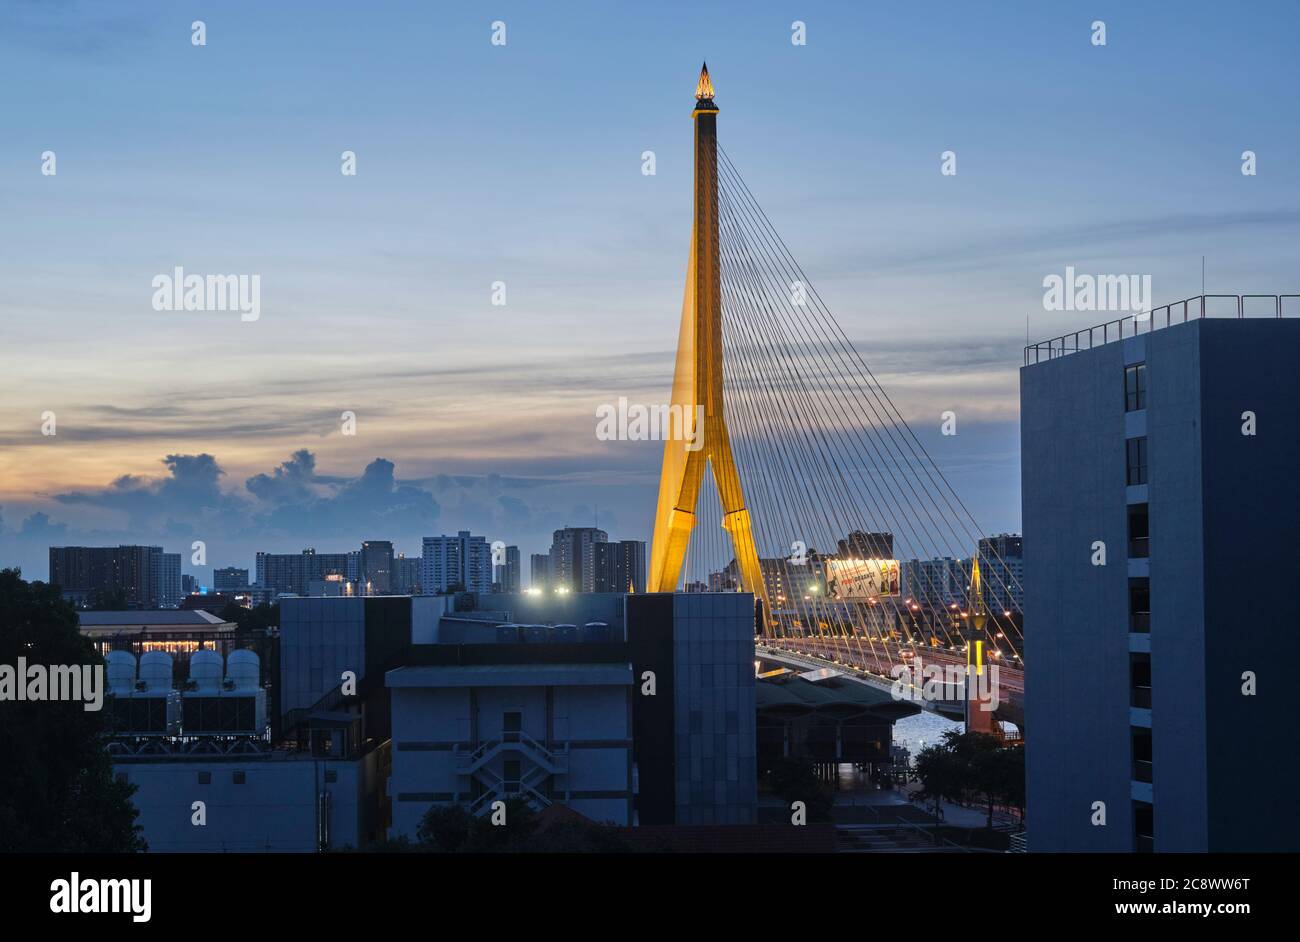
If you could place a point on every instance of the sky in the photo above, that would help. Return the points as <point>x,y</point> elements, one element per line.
<point>522,164</point>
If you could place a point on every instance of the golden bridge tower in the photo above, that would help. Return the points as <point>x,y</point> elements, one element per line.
<point>697,382</point>
<point>978,720</point>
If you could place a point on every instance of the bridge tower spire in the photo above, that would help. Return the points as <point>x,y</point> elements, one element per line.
<point>697,389</point>
<point>977,720</point>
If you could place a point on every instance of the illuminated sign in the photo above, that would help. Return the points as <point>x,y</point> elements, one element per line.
<point>862,578</point>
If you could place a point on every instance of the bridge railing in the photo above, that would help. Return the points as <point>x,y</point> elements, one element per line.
<point>1179,312</point>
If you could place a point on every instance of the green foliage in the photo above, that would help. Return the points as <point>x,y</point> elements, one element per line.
<point>256,619</point>
<point>57,790</point>
<point>793,780</point>
<point>112,599</point>
<point>966,767</point>
<point>453,830</point>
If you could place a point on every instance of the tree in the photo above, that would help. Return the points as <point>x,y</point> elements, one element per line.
<point>108,600</point>
<point>453,830</point>
<point>793,781</point>
<point>1006,778</point>
<point>969,766</point>
<point>941,774</point>
<point>256,619</point>
<point>57,790</point>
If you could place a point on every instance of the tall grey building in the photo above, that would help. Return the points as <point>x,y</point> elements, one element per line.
<point>507,575</point>
<point>229,579</point>
<point>1160,525</point>
<point>293,573</point>
<point>407,574</point>
<point>573,557</point>
<point>462,560</point>
<point>376,567</point>
<point>539,571</point>
<point>1002,572</point>
<point>620,567</point>
<point>166,576</point>
<point>86,572</point>
<point>937,583</point>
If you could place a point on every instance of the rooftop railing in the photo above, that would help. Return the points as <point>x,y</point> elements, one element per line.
<point>1194,308</point>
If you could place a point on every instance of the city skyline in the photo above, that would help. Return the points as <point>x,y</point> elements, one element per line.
<point>645,433</point>
<point>176,426</point>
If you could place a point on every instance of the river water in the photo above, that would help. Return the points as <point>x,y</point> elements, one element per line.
<point>924,729</point>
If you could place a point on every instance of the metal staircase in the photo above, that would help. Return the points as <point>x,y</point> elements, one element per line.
<point>541,764</point>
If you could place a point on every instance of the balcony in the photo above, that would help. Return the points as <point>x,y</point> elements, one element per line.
<point>1142,771</point>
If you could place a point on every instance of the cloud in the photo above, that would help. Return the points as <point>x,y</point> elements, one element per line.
<point>375,503</point>
<point>38,527</point>
<point>291,482</point>
<point>191,489</point>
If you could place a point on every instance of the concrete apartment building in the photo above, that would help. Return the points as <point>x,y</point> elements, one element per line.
<point>1158,686</point>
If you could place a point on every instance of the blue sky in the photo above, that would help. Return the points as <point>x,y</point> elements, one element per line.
<point>522,163</point>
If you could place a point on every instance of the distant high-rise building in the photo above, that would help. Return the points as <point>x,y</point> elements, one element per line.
<point>462,560</point>
<point>862,545</point>
<point>407,574</point>
<point>84,573</point>
<point>229,579</point>
<point>292,573</point>
<point>507,575</point>
<point>1002,572</point>
<point>376,567</point>
<point>166,575</point>
<point>788,585</point>
<point>189,584</point>
<point>573,557</point>
<point>620,567</point>
<point>539,571</point>
<point>937,583</point>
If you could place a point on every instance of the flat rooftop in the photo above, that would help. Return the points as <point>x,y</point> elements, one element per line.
<point>1240,306</point>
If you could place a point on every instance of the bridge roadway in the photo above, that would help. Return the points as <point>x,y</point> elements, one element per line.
<point>870,662</point>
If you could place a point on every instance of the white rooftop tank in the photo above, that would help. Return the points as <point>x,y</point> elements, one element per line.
<point>156,671</point>
<point>205,670</point>
<point>120,669</point>
<point>244,669</point>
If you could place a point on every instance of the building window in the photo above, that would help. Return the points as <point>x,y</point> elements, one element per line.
<point>1139,532</point>
<point>1139,605</point>
<point>1141,754</point>
<point>238,778</point>
<point>1139,669</point>
<point>1135,387</point>
<point>331,775</point>
<point>1137,461</point>
<point>1144,827</point>
<point>205,778</point>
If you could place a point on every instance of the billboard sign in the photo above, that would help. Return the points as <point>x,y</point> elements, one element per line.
<point>862,578</point>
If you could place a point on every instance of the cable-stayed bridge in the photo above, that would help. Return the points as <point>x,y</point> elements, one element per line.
<point>806,486</point>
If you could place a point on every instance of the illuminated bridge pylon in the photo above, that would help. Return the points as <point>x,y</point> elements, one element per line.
<point>822,501</point>
<point>697,389</point>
